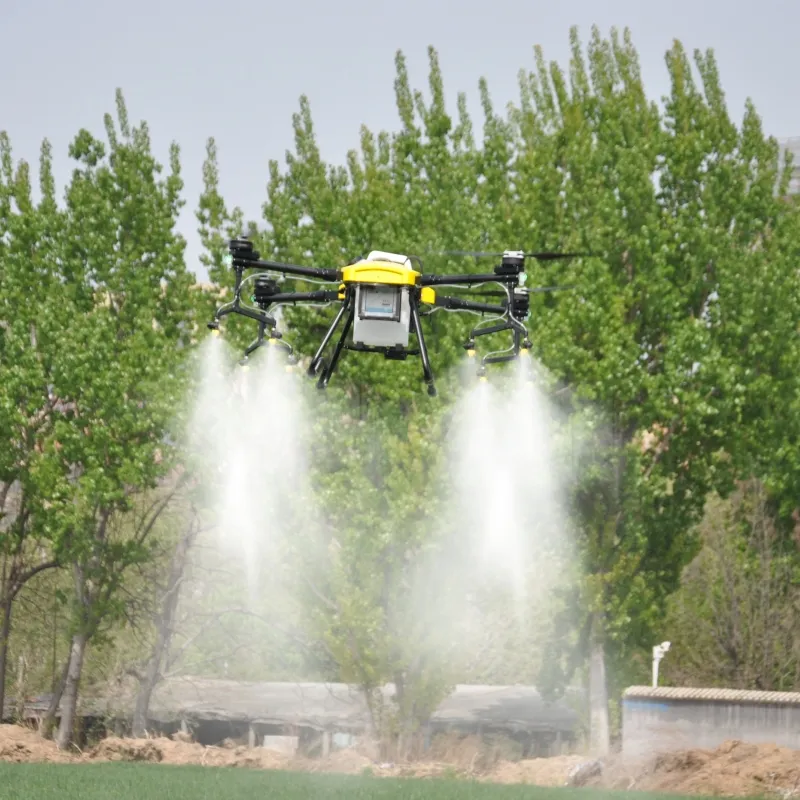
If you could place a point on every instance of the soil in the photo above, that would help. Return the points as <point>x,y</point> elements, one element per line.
<point>735,769</point>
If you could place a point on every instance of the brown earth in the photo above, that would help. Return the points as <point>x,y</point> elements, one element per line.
<point>735,769</point>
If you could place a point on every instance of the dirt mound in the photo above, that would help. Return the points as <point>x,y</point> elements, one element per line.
<point>734,769</point>
<point>180,751</point>
<point>115,749</point>
<point>553,771</point>
<point>19,744</point>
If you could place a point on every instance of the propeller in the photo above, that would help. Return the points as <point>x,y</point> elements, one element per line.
<point>545,255</point>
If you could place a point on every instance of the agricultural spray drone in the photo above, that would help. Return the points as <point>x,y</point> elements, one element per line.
<point>383,299</point>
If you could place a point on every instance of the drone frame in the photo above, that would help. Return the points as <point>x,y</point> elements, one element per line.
<point>509,273</point>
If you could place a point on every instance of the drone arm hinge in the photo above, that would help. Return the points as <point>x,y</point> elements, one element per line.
<point>427,296</point>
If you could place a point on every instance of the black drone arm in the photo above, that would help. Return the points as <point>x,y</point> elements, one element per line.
<point>291,298</point>
<point>458,304</point>
<point>466,280</point>
<point>324,273</point>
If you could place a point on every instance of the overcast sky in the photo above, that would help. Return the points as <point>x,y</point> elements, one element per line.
<point>188,67</point>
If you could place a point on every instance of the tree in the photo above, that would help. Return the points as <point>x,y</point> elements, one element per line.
<point>165,620</point>
<point>123,264</point>
<point>680,211</point>
<point>375,592</point>
<point>678,206</point>
<point>734,622</point>
<point>32,348</point>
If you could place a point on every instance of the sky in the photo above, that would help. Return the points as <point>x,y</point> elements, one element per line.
<point>236,71</point>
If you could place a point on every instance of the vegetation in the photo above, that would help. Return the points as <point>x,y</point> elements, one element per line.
<point>134,781</point>
<point>679,344</point>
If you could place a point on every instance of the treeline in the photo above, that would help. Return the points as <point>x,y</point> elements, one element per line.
<point>680,339</point>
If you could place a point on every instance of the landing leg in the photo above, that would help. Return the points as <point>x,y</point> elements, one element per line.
<point>326,375</point>
<point>423,350</point>
<point>315,362</point>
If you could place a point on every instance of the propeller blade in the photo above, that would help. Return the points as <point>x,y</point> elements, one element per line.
<point>550,288</point>
<point>466,253</point>
<point>548,256</point>
<point>545,255</point>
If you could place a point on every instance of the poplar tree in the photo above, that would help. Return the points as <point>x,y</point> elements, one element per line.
<point>34,308</point>
<point>121,370</point>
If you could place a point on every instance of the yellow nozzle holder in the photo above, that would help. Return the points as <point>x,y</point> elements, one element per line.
<point>483,379</point>
<point>271,341</point>
<point>245,367</point>
<point>215,331</point>
<point>427,295</point>
<point>289,368</point>
<point>470,354</point>
<point>525,351</point>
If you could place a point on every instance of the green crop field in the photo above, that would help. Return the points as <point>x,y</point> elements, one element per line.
<point>154,782</point>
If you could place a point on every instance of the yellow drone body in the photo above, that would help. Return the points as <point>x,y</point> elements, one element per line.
<point>390,269</point>
<point>383,282</point>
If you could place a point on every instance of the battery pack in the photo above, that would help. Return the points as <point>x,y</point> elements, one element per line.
<point>383,315</point>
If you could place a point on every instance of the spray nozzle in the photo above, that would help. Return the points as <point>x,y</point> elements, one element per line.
<point>482,374</point>
<point>214,327</point>
<point>469,346</point>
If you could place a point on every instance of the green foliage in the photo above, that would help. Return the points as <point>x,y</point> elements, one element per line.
<point>678,345</point>
<point>734,621</point>
<point>677,356</point>
<point>373,593</point>
<point>125,273</point>
<point>92,370</point>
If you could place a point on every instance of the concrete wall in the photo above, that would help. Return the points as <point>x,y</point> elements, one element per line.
<point>659,724</point>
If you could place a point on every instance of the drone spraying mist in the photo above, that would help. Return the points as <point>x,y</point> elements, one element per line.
<point>247,428</point>
<point>509,485</point>
<point>505,513</point>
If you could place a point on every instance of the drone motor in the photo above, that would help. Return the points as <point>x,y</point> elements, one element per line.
<point>520,304</point>
<point>513,263</point>
<point>264,289</point>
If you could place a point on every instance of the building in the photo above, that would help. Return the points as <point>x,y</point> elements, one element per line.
<point>318,717</point>
<point>664,718</point>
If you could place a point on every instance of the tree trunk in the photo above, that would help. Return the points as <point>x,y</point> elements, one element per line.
<point>142,707</point>
<point>5,633</point>
<point>599,735</point>
<point>164,631</point>
<point>71,686</point>
<point>58,691</point>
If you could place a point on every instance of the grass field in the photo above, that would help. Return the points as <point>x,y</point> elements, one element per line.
<point>125,781</point>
